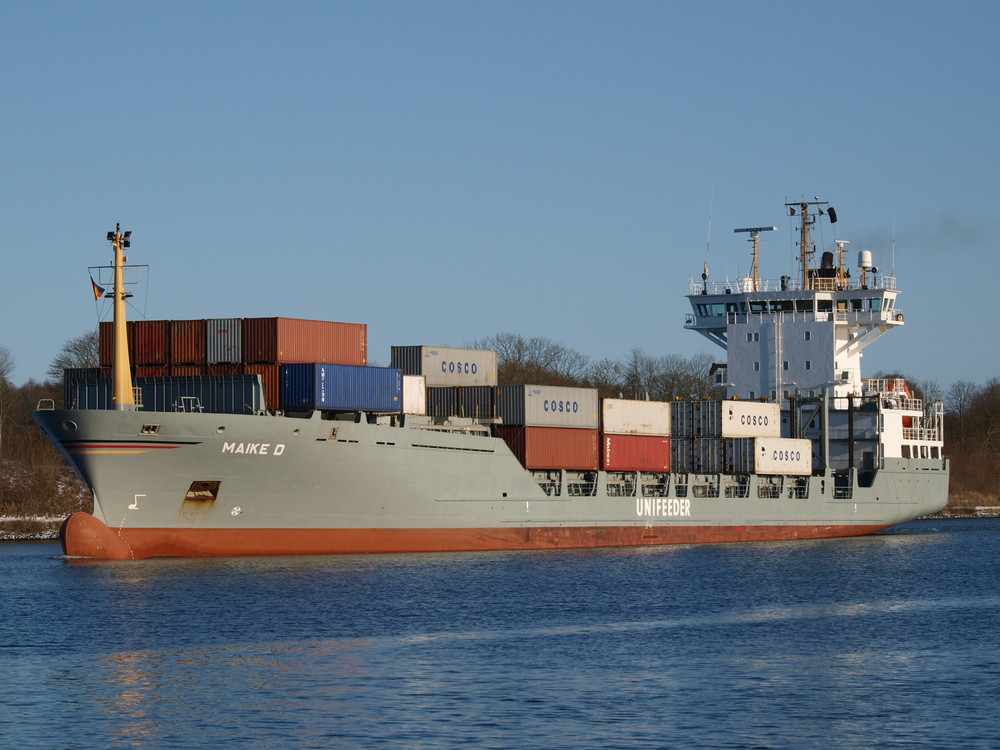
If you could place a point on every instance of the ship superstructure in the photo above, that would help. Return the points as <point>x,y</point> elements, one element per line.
<point>273,436</point>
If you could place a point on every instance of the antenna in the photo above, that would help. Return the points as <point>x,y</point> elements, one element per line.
<point>755,239</point>
<point>708,240</point>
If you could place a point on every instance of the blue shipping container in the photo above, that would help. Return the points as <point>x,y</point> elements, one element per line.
<point>341,388</point>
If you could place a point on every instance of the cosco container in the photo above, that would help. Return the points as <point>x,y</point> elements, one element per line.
<point>764,455</point>
<point>620,416</point>
<point>293,340</point>
<point>547,406</point>
<point>224,340</point>
<point>572,449</point>
<point>187,342</point>
<point>725,419</point>
<point>444,366</point>
<point>635,453</point>
<point>414,395</point>
<point>341,388</point>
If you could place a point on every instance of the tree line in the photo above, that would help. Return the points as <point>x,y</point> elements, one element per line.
<point>36,480</point>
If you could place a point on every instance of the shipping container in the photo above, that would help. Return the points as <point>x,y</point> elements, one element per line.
<point>766,455</point>
<point>270,375</point>
<point>547,406</point>
<point>414,395</point>
<point>620,416</point>
<point>224,340</point>
<point>444,366</point>
<point>341,388</point>
<point>635,453</point>
<point>224,394</point>
<point>187,370</point>
<point>152,342</point>
<point>725,419</point>
<point>293,340</point>
<point>573,449</point>
<point>106,342</point>
<point>187,342</point>
<point>441,402</point>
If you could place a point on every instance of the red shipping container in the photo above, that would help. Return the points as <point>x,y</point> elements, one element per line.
<point>271,375</point>
<point>150,371</point>
<point>188,370</point>
<point>106,342</point>
<point>570,448</point>
<point>152,342</point>
<point>187,342</point>
<point>293,340</point>
<point>635,453</point>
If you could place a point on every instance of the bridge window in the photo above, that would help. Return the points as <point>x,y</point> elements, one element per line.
<point>804,305</point>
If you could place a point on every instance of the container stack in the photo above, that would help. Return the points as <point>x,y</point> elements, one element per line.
<point>734,437</point>
<point>550,427</point>
<point>635,435</point>
<point>237,346</point>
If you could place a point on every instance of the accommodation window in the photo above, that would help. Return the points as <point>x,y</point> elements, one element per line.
<point>906,451</point>
<point>808,335</point>
<point>809,364</point>
<point>784,365</point>
<point>756,366</point>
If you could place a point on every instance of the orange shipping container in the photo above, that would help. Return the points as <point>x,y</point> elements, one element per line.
<point>187,342</point>
<point>271,375</point>
<point>635,453</point>
<point>570,448</point>
<point>293,340</point>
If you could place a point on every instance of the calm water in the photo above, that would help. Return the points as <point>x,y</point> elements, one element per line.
<point>886,641</point>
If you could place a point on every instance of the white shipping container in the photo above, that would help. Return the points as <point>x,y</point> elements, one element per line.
<point>621,416</point>
<point>414,395</point>
<point>445,366</point>
<point>791,456</point>
<point>749,419</point>
<point>547,406</point>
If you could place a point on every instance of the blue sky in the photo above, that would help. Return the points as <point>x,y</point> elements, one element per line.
<point>444,171</point>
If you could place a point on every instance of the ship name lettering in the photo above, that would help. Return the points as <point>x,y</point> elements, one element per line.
<point>662,506</point>
<point>254,449</point>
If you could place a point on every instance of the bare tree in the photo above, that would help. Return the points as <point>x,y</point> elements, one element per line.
<point>83,351</point>
<point>6,368</point>
<point>961,395</point>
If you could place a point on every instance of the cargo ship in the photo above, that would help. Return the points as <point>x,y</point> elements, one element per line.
<point>274,437</point>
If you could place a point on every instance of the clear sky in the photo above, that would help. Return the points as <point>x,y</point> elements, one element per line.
<point>444,171</point>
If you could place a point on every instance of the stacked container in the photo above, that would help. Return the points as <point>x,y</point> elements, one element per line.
<point>550,427</point>
<point>635,435</point>
<point>734,437</point>
<point>341,388</point>
<point>444,366</point>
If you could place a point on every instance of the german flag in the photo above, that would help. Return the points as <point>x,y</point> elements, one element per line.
<point>98,290</point>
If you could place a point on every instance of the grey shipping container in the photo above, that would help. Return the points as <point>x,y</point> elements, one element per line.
<point>547,406</point>
<point>444,366</point>
<point>224,340</point>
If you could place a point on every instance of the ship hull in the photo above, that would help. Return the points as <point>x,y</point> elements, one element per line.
<point>278,485</point>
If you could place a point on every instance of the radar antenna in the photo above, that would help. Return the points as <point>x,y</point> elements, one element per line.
<point>755,239</point>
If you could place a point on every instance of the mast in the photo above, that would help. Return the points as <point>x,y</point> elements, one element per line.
<point>121,374</point>
<point>806,247</point>
<point>755,239</point>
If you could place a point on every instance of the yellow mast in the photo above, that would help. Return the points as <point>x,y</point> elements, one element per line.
<point>121,373</point>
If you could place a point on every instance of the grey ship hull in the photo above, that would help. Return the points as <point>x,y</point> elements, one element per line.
<point>176,483</point>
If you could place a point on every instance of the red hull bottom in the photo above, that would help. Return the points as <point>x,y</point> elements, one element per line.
<point>84,536</point>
